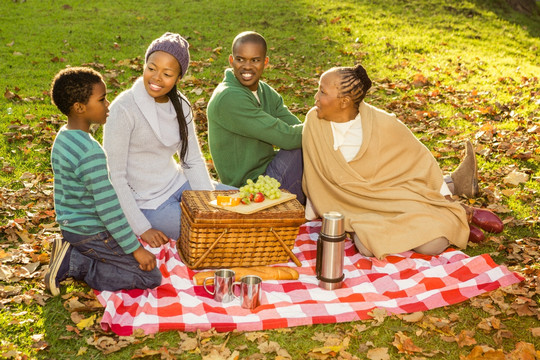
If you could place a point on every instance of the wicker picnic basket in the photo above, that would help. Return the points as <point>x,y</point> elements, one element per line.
<point>217,238</point>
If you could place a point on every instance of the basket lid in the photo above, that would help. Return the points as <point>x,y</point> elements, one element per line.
<point>196,203</point>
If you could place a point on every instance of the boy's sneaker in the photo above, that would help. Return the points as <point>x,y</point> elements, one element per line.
<point>58,266</point>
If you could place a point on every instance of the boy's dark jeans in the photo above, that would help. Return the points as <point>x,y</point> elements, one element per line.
<point>102,264</point>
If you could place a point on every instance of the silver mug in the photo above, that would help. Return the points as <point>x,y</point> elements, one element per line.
<point>250,291</point>
<point>223,285</point>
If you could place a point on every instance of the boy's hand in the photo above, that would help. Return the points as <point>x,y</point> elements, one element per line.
<point>146,260</point>
<point>154,238</point>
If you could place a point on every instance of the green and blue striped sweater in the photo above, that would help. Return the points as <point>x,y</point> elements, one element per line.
<point>84,199</point>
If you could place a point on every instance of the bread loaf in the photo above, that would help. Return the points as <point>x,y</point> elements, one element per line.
<point>264,272</point>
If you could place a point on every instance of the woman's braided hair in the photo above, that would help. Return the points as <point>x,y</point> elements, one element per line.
<point>354,83</point>
<point>174,96</point>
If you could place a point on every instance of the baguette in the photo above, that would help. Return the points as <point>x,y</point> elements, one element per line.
<point>264,272</point>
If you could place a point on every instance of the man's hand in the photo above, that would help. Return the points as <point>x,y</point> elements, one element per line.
<point>154,238</point>
<point>146,260</point>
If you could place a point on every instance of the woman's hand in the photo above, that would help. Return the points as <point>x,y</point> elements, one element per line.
<point>146,260</point>
<point>154,238</point>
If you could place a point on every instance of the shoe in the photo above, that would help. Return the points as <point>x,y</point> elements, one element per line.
<point>486,220</point>
<point>58,266</point>
<point>476,235</point>
<point>465,177</point>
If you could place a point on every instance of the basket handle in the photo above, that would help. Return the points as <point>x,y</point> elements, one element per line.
<point>287,250</point>
<point>209,249</point>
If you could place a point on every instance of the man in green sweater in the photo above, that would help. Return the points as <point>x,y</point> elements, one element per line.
<point>247,121</point>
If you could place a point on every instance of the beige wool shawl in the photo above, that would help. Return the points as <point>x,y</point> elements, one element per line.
<point>389,193</point>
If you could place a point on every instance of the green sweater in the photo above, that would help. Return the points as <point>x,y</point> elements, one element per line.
<point>84,199</point>
<point>242,133</point>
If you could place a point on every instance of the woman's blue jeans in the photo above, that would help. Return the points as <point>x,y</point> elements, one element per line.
<point>167,216</point>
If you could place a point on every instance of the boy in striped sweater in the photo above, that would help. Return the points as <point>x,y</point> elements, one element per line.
<point>98,245</point>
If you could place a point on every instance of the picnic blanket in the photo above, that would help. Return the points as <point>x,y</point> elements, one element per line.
<point>401,283</point>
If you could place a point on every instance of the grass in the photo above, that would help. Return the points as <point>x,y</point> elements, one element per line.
<point>469,56</point>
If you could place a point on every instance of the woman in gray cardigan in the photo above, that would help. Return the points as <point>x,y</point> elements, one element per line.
<point>148,125</point>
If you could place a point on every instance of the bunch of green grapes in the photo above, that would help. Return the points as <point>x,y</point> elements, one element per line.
<point>265,184</point>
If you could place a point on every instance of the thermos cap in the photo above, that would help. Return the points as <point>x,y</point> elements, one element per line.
<point>333,224</point>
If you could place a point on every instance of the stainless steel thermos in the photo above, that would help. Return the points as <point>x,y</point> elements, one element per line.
<point>331,251</point>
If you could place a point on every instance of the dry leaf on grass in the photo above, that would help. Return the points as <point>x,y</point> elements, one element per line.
<point>257,356</point>
<point>412,318</point>
<point>378,316</point>
<point>273,347</point>
<point>404,344</point>
<point>86,323</point>
<point>490,323</point>
<point>82,350</point>
<point>523,351</point>
<point>145,351</point>
<point>502,334</point>
<point>105,344</point>
<point>256,336</point>
<point>483,353</point>
<point>73,304</point>
<point>515,178</point>
<point>360,327</point>
<point>436,324</point>
<point>189,344</point>
<point>465,338</point>
<point>378,354</point>
<point>221,354</point>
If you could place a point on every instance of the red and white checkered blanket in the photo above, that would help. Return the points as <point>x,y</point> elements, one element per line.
<point>401,283</point>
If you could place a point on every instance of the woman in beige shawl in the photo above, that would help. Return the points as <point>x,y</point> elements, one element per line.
<point>366,164</point>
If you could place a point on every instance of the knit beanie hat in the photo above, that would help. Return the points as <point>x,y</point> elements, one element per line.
<point>173,44</point>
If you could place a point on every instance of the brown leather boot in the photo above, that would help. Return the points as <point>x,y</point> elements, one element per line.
<point>465,177</point>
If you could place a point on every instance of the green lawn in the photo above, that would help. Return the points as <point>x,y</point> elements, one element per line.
<point>451,70</point>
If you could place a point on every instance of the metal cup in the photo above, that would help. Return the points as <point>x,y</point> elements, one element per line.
<point>223,285</point>
<point>250,291</point>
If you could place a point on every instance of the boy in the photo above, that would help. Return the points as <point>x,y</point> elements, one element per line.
<point>247,119</point>
<point>99,247</point>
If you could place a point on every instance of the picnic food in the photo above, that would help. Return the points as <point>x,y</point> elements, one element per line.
<point>246,200</point>
<point>264,272</point>
<point>224,200</point>
<point>259,197</point>
<point>487,220</point>
<point>266,185</point>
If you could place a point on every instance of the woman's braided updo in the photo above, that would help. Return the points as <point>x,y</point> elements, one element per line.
<point>355,83</point>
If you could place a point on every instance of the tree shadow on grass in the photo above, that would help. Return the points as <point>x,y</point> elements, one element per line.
<point>529,22</point>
